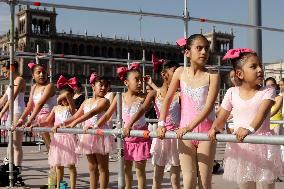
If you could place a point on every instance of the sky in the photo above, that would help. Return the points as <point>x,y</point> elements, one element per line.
<point>167,30</point>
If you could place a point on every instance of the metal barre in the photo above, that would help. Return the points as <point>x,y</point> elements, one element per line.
<point>254,139</point>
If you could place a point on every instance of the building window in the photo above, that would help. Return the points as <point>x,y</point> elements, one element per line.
<point>82,50</point>
<point>59,49</point>
<point>138,55</point>
<point>124,54</point>
<point>89,50</point>
<point>97,51</point>
<point>66,48</point>
<point>118,53</point>
<point>149,55</point>
<point>110,53</point>
<point>74,49</point>
<point>104,52</point>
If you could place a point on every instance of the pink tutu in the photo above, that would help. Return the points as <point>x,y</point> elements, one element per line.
<point>165,152</point>
<point>62,150</point>
<point>41,118</point>
<point>137,149</point>
<point>252,162</point>
<point>95,144</point>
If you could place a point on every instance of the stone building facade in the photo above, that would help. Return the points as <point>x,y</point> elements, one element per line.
<point>38,27</point>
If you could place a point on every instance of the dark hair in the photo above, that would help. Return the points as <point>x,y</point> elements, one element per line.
<point>167,65</point>
<point>67,89</point>
<point>131,71</point>
<point>38,65</point>
<point>192,38</point>
<point>7,65</point>
<point>270,79</point>
<point>102,79</point>
<point>79,85</point>
<point>238,62</point>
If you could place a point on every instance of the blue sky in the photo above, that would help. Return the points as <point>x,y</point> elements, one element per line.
<point>166,30</point>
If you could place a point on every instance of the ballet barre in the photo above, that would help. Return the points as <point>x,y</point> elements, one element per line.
<point>253,139</point>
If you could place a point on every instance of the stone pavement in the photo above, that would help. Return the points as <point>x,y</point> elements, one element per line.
<point>35,171</point>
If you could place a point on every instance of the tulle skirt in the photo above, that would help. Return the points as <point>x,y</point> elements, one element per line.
<point>95,144</point>
<point>62,150</point>
<point>165,152</point>
<point>137,149</point>
<point>245,162</point>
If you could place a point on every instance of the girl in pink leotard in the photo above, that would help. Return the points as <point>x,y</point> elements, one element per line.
<point>41,101</point>
<point>62,147</point>
<point>199,90</point>
<point>136,150</point>
<point>244,163</point>
<point>164,151</point>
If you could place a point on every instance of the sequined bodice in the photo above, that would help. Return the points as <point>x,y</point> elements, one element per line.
<point>129,110</point>
<point>47,107</point>
<point>61,114</point>
<point>173,117</point>
<point>88,106</point>
<point>193,101</point>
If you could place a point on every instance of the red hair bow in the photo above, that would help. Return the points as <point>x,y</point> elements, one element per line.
<point>156,62</point>
<point>235,53</point>
<point>181,42</point>
<point>121,71</point>
<point>93,77</point>
<point>62,81</point>
<point>31,65</point>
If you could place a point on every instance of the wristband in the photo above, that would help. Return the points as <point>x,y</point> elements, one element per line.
<point>251,129</point>
<point>161,124</point>
<point>20,121</point>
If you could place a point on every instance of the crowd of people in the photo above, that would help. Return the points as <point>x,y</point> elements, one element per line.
<point>185,102</point>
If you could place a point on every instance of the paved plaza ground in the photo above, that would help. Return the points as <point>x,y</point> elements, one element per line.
<point>35,171</point>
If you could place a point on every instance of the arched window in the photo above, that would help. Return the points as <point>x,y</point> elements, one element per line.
<point>138,55</point>
<point>104,52</point>
<point>124,54</point>
<point>66,48</point>
<point>97,52</point>
<point>74,49</point>
<point>59,49</point>
<point>82,50</point>
<point>118,53</point>
<point>149,55</point>
<point>131,52</point>
<point>24,26</point>
<point>89,50</point>
<point>110,52</point>
<point>34,26</point>
<point>40,24</point>
<point>46,26</point>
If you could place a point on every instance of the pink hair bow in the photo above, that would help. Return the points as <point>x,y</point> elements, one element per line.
<point>121,71</point>
<point>31,65</point>
<point>93,77</point>
<point>156,62</point>
<point>62,81</point>
<point>181,42</point>
<point>235,53</point>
